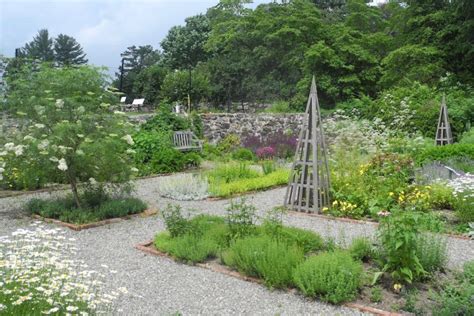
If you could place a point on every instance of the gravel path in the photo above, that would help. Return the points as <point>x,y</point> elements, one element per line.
<point>161,286</point>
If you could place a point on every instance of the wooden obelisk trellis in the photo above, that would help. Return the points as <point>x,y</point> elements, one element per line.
<point>308,188</point>
<point>443,133</point>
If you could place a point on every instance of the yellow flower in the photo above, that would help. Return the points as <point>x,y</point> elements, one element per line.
<point>391,194</point>
<point>397,287</point>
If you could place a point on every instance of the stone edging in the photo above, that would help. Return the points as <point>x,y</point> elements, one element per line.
<point>76,227</point>
<point>145,247</point>
<point>359,221</point>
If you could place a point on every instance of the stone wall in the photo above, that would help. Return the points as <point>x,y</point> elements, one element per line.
<point>217,126</point>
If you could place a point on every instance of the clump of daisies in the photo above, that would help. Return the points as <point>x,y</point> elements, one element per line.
<point>38,276</point>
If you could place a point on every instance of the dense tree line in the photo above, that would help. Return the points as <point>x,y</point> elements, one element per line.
<point>233,53</point>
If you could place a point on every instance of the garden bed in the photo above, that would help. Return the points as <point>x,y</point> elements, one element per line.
<point>79,227</point>
<point>215,266</point>
<point>404,269</point>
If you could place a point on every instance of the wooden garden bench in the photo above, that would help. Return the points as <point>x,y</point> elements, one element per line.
<point>186,141</point>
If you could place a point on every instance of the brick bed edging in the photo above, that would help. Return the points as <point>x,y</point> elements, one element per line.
<point>359,221</point>
<point>146,247</point>
<point>104,222</point>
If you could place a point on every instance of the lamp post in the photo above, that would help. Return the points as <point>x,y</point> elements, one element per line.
<point>121,75</point>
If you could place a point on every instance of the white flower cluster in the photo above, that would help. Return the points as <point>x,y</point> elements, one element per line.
<point>463,185</point>
<point>10,147</point>
<point>184,187</point>
<point>36,270</point>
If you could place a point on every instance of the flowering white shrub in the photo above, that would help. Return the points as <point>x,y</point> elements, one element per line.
<point>69,133</point>
<point>184,187</point>
<point>38,276</point>
<point>349,132</point>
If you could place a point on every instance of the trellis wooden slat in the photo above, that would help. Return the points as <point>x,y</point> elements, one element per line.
<point>186,140</point>
<point>443,133</point>
<point>308,187</point>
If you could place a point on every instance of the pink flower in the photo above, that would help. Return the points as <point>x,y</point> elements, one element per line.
<point>265,152</point>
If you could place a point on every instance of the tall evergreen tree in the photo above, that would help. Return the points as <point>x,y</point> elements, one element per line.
<point>68,51</point>
<point>41,47</point>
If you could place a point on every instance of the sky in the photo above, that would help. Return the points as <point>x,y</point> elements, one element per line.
<point>104,28</point>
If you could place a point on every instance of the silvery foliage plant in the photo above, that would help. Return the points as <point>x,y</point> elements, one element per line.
<point>184,187</point>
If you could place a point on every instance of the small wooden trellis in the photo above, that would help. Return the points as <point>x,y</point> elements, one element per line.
<point>308,188</point>
<point>443,133</point>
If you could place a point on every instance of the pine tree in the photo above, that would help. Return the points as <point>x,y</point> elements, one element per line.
<point>68,51</point>
<point>41,47</point>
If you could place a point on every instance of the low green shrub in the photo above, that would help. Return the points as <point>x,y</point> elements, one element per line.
<point>65,209</point>
<point>231,172</point>
<point>307,240</point>
<point>361,249</point>
<point>468,273</point>
<point>175,222</point>
<point>264,258</point>
<point>467,137</point>
<point>188,247</point>
<point>241,218</point>
<point>455,298</point>
<point>376,295</point>
<point>279,107</point>
<point>333,276</point>
<point>229,143</point>
<point>441,196</point>
<point>432,252</point>
<point>121,207</point>
<point>243,154</point>
<point>279,177</point>
<point>444,153</point>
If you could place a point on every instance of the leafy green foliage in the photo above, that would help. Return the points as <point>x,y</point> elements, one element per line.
<point>431,251</point>
<point>227,173</point>
<point>264,258</point>
<point>444,153</point>
<point>361,248</point>
<point>175,222</point>
<point>455,298</point>
<point>467,137</point>
<point>154,150</point>
<point>220,189</point>
<point>241,219</point>
<point>306,240</point>
<point>243,154</point>
<point>333,276</point>
<point>65,209</point>
<point>189,247</point>
<point>398,235</point>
